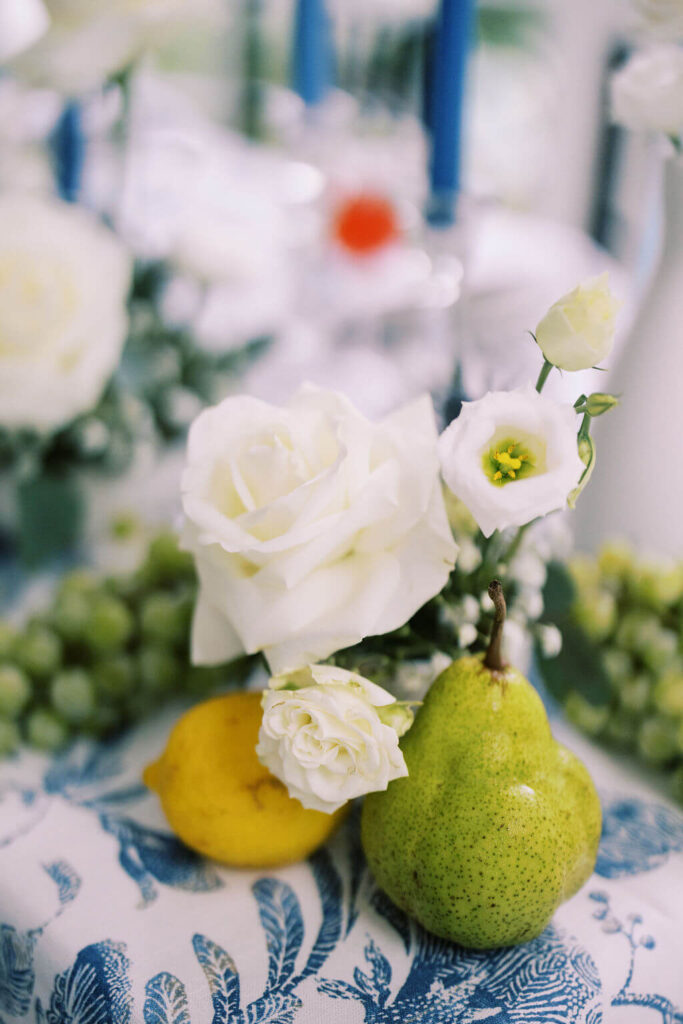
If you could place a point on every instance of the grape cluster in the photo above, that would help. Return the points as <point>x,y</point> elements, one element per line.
<point>104,654</point>
<point>632,611</point>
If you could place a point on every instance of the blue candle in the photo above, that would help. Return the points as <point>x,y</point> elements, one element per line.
<point>445,104</point>
<point>68,147</point>
<point>312,56</point>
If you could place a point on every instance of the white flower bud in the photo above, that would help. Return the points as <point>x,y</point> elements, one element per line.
<point>577,332</point>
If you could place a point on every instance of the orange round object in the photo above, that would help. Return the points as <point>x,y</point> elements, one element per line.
<point>364,223</point>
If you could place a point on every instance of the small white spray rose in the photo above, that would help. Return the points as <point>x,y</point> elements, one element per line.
<point>577,332</point>
<point>330,735</point>
<point>64,280</point>
<point>647,93</point>
<point>311,526</point>
<point>22,22</point>
<point>511,456</point>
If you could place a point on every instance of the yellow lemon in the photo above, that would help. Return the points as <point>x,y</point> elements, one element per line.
<point>218,797</point>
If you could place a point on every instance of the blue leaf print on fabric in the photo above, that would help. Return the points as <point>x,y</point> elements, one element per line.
<point>17,975</point>
<point>283,924</point>
<point>67,881</point>
<point>95,990</point>
<point>611,925</point>
<point>85,764</point>
<point>637,837</point>
<point>148,855</point>
<point>166,1001</point>
<point>330,891</point>
<point>543,982</point>
<point>222,977</point>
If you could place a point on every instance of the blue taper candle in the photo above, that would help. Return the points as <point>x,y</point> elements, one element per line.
<point>445,105</point>
<point>312,57</point>
<point>68,148</point>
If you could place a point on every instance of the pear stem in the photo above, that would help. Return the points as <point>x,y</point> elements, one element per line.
<point>494,654</point>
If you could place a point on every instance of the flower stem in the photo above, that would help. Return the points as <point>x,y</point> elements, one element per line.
<point>494,654</point>
<point>543,375</point>
<point>515,542</point>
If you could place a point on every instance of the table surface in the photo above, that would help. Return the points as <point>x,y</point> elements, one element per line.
<point>106,919</point>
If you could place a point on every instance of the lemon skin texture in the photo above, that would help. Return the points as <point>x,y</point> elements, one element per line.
<point>495,825</point>
<point>218,797</point>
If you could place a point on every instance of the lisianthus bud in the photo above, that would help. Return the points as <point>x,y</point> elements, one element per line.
<point>599,402</point>
<point>578,330</point>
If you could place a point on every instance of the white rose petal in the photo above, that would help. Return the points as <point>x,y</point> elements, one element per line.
<point>22,22</point>
<point>329,738</point>
<point>64,280</point>
<point>647,93</point>
<point>577,332</point>
<point>311,527</point>
<point>535,477</point>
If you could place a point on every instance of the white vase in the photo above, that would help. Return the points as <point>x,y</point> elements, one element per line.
<point>637,489</point>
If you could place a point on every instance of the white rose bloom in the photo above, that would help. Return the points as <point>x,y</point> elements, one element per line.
<point>64,280</point>
<point>647,93</point>
<point>577,332</point>
<point>332,737</point>
<point>663,18</point>
<point>510,457</point>
<point>311,527</point>
<point>21,23</point>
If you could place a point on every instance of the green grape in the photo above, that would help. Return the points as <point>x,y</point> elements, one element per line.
<point>615,560</point>
<point>679,736</point>
<point>15,690</point>
<point>115,677</point>
<point>72,695</point>
<point>165,562</point>
<point>656,586</point>
<point>70,614</point>
<point>676,783</point>
<point>45,731</point>
<point>595,611</point>
<point>668,694</point>
<point>7,639</point>
<point>110,624</point>
<point>621,729</point>
<point>79,581</point>
<point>127,586</point>
<point>657,740</point>
<point>661,651</point>
<point>618,665</point>
<point>160,672</point>
<point>634,694</point>
<point>38,651</point>
<point>590,718</point>
<point>10,737</point>
<point>585,573</point>
<point>165,617</point>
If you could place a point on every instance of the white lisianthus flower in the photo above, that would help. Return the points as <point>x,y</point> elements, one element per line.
<point>311,526</point>
<point>510,457</point>
<point>64,280</point>
<point>662,18</point>
<point>330,735</point>
<point>647,93</point>
<point>577,332</point>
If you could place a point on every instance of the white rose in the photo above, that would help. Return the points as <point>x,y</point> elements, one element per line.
<point>311,526</point>
<point>21,23</point>
<point>511,456</point>
<point>647,93</point>
<point>64,279</point>
<point>331,735</point>
<point>90,40</point>
<point>663,18</point>
<point>577,332</point>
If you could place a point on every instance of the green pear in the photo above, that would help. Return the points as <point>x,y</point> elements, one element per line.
<point>496,823</point>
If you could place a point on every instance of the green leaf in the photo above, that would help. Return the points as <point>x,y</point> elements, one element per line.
<point>50,517</point>
<point>559,593</point>
<point>578,667</point>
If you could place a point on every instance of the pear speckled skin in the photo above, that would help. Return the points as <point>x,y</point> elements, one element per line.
<point>496,823</point>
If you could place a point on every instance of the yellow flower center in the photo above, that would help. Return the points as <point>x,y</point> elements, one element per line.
<point>509,460</point>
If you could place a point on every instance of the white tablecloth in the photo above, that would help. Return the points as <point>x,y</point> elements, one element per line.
<point>106,919</point>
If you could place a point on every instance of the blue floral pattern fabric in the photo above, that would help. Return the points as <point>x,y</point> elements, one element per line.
<point>105,918</point>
